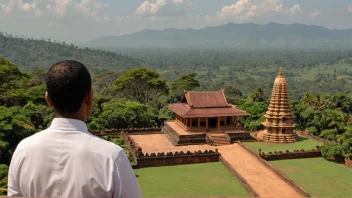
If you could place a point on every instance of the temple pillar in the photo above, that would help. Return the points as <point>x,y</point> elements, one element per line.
<point>190,123</point>
<point>186,122</point>
<point>198,123</point>
<point>225,121</point>
<point>218,124</point>
<point>206,124</point>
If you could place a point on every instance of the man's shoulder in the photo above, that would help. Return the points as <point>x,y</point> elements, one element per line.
<point>104,147</point>
<point>31,140</point>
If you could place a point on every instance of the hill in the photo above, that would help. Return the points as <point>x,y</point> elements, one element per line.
<point>247,35</point>
<point>27,53</point>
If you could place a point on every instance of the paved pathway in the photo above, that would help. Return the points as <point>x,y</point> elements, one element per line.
<point>265,182</point>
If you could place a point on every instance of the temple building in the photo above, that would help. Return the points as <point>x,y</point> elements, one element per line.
<point>279,124</point>
<point>204,117</point>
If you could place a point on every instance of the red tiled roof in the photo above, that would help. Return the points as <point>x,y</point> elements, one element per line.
<point>203,99</point>
<point>185,111</point>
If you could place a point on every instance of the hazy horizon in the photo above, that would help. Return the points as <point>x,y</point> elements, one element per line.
<point>84,20</point>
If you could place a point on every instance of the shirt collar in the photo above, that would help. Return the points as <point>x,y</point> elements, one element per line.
<point>66,124</point>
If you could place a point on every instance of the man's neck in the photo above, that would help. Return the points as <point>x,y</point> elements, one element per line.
<point>73,116</point>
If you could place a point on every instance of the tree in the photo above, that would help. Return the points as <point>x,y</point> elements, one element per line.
<point>186,82</point>
<point>122,114</point>
<point>141,85</point>
<point>312,130</point>
<point>257,95</point>
<point>103,81</point>
<point>232,93</point>
<point>40,115</point>
<point>14,126</point>
<point>256,111</point>
<point>37,75</point>
<point>330,150</point>
<point>3,171</point>
<point>329,134</point>
<point>166,114</point>
<point>308,98</point>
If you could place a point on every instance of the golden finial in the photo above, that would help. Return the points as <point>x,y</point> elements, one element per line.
<point>280,72</point>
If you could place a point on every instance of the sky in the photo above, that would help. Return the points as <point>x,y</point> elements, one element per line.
<point>84,20</point>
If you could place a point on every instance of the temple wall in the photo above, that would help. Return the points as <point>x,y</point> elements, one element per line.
<point>176,158</point>
<point>297,154</point>
<point>117,132</point>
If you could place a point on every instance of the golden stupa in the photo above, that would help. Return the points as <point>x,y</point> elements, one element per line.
<point>279,124</point>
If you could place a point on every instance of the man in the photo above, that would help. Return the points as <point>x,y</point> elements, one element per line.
<point>66,160</point>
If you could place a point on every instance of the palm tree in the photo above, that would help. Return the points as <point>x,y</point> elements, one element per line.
<point>308,98</point>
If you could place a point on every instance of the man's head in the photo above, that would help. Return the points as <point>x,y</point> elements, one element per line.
<point>69,89</point>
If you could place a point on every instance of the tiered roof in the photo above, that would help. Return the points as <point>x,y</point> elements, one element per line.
<point>205,104</point>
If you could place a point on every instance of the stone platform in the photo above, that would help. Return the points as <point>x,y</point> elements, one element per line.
<point>277,137</point>
<point>179,136</point>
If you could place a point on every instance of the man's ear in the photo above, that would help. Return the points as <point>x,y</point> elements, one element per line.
<point>47,98</point>
<point>89,97</point>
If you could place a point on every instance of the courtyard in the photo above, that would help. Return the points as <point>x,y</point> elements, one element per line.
<point>258,176</point>
<point>321,178</point>
<point>194,180</point>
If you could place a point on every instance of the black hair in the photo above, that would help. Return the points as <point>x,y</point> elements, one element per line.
<point>68,82</point>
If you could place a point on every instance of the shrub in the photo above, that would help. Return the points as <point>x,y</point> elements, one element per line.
<point>331,150</point>
<point>312,130</point>
<point>3,171</point>
<point>329,134</point>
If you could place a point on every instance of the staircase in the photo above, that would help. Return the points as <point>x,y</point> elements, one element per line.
<point>219,139</point>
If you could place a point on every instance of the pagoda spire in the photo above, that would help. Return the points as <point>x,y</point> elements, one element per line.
<point>280,73</point>
<point>278,126</point>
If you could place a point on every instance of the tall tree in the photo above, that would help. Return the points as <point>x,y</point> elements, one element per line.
<point>186,82</point>
<point>141,85</point>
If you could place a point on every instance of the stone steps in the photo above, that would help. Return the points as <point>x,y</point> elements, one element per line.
<point>219,139</point>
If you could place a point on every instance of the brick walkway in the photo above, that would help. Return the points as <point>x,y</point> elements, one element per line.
<point>265,182</point>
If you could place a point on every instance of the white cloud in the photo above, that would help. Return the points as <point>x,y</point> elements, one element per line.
<point>87,7</point>
<point>247,9</point>
<point>167,8</point>
<point>58,6</point>
<point>314,14</point>
<point>296,8</point>
<point>349,9</point>
<point>90,7</point>
<point>18,5</point>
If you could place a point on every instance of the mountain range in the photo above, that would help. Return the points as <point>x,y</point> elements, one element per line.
<point>246,35</point>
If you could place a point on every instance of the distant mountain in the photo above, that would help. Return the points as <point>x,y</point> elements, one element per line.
<point>247,35</point>
<point>27,53</point>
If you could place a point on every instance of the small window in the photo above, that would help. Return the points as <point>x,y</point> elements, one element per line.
<point>283,130</point>
<point>284,119</point>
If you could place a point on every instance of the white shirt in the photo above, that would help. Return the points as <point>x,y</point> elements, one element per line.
<point>66,160</point>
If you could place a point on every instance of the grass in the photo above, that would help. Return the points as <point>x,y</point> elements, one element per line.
<point>321,178</point>
<point>208,179</point>
<point>303,143</point>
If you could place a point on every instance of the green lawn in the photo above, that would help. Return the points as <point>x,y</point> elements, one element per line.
<point>304,143</point>
<point>318,176</point>
<point>208,179</point>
